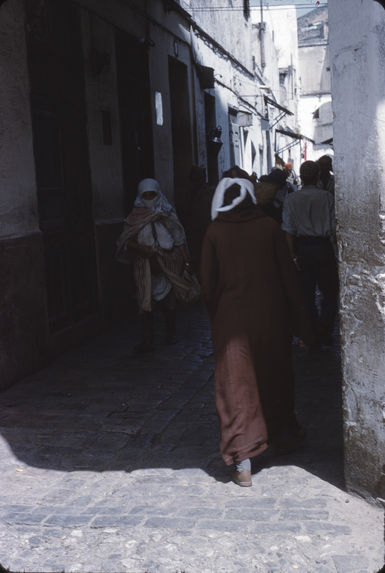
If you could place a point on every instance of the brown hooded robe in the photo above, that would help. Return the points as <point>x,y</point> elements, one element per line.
<point>253,297</point>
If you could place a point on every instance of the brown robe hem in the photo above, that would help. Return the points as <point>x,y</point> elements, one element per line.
<point>252,451</point>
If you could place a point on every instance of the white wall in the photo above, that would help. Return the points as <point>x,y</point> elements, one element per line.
<point>229,27</point>
<point>315,93</point>
<point>316,129</point>
<point>314,69</point>
<point>18,200</point>
<point>357,31</point>
<point>101,94</point>
<point>281,53</point>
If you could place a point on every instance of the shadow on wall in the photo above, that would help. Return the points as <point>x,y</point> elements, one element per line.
<point>99,408</point>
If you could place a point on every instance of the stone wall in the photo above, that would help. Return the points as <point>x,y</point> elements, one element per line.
<point>357,30</point>
<point>22,290</point>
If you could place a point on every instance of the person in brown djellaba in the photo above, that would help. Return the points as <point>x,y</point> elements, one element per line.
<point>253,297</point>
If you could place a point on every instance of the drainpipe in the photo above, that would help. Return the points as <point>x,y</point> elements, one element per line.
<point>262,29</point>
<point>194,102</point>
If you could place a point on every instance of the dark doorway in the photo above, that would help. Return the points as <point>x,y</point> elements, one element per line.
<point>212,151</point>
<point>61,158</point>
<point>181,132</point>
<point>235,151</point>
<point>135,113</point>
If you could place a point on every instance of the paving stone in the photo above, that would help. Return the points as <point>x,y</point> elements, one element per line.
<point>116,521</point>
<point>249,514</point>
<point>247,502</point>
<point>199,512</point>
<point>170,523</point>
<point>25,518</point>
<point>277,528</point>
<point>223,525</point>
<point>111,465</point>
<point>303,514</point>
<point>68,520</point>
<point>327,528</point>
<point>350,563</point>
<point>303,503</point>
<point>153,510</point>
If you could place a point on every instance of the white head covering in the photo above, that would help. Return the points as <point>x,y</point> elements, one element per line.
<point>159,203</point>
<point>217,203</point>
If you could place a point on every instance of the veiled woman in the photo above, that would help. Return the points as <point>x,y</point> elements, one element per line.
<point>154,239</point>
<point>253,297</point>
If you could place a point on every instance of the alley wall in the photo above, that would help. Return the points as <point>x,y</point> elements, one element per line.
<point>135,90</point>
<point>357,31</point>
<point>22,307</point>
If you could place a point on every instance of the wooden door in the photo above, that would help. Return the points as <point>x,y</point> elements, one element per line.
<point>61,158</point>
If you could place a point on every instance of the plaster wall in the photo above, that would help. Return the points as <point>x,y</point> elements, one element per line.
<point>285,34</point>
<point>162,134</point>
<point>281,55</point>
<point>271,68</point>
<point>284,23</point>
<point>314,69</point>
<point>114,280</point>
<point>101,94</point>
<point>316,129</point>
<point>18,202</point>
<point>22,290</point>
<point>220,24</point>
<point>357,30</point>
<point>233,88</point>
<point>130,17</point>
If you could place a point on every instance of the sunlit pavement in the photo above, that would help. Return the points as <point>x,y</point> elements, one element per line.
<point>110,463</point>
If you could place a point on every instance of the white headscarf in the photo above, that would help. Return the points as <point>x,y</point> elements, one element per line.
<point>217,203</point>
<point>159,203</point>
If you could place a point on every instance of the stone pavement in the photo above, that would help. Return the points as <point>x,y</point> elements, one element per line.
<point>110,464</point>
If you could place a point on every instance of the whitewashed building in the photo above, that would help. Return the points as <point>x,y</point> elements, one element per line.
<point>357,57</point>
<point>94,96</point>
<point>276,53</point>
<point>315,103</point>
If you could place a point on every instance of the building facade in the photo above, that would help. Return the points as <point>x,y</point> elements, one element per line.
<point>315,103</point>
<point>357,56</point>
<point>95,96</point>
<point>276,54</point>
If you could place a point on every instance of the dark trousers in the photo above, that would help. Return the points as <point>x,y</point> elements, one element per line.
<point>319,269</point>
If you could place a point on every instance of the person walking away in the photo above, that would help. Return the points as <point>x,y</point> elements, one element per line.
<point>254,300</point>
<point>291,176</point>
<point>276,177</point>
<point>326,177</point>
<point>309,222</point>
<point>154,239</point>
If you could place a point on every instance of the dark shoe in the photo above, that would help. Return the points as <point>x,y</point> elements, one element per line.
<point>242,479</point>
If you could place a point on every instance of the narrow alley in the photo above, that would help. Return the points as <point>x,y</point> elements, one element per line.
<point>110,463</point>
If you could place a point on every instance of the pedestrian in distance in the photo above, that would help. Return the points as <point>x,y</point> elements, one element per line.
<point>154,241</point>
<point>252,294</point>
<point>277,177</point>
<point>309,222</point>
<point>326,176</point>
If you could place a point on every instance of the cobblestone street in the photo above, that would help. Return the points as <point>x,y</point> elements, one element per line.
<point>110,464</point>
